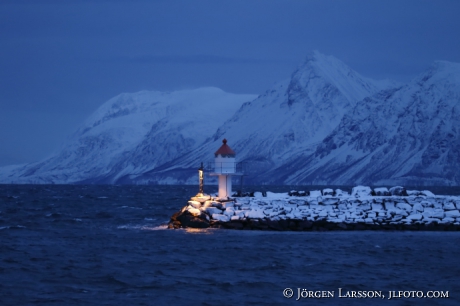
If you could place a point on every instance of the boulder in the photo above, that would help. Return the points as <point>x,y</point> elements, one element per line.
<point>228,204</point>
<point>398,191</point>
<point>414,217</point>
<point>229,212</point>
<point>361,191</point>
<point>447,219</point>
<point>453,213</point>
<point>194,204</point>
<point>389,204</point>
<point>365,206</point>
<point>220,217</point>
<point>381,191</point>
<point>186,219</point>
<point>201,199</point>
<point>427,204</point>
<point>427,193</point>
<point>258,194</point>
<point>371,215</point>
<point>449,206</point>
<point>377,207</point>
<point>194,211</point>
<point>315,193</point>
<point>255,214</point>
<point>414,193</point>
<point>418,207</point>
<point>404,206</point>
<point>340,193</point>
<point>330,201</point>
<point>207,204</point>
<point>217,205</point>
<point>213,210</point>
<point>457,204</point>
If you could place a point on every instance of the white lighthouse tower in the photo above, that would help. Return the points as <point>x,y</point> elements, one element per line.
<point>225,167</point>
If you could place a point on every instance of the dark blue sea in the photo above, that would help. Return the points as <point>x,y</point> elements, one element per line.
<point>107,245</point>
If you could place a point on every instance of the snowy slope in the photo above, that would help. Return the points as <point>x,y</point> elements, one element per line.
<point>288,120</point>
<point>408,135</point>
<point>325,125</point>
<point>131,133</point>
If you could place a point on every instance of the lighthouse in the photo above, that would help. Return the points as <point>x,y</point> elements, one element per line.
<point>224,168</point>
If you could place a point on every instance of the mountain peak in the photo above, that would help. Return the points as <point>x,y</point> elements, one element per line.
<point>321,71</point>
<point>446,66</point>
<point>441,72</point>
<point>323,64</point>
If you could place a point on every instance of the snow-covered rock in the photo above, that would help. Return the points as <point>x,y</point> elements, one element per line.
<point>413,192</point>
<point>449,206</point>
<point>283,212</point>
<point>381,191</point>
<point>258,194</point>
<point>213,210</point>
<point>398,191</point>
<point>404,206</point>
<point>229,211</point>
<point>417,207</point>
<point>427,193</point>
<point>195,204</point>
<point>255,214</point>
<point>414,217</point>
<point>361,191</point>
<point>194,211</point>
<point>340,193</point>
<point>453,213</point>
<point>315,193</point>
<point>220,217</point>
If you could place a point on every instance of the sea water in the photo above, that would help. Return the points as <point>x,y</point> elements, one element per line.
<point>108,245</point>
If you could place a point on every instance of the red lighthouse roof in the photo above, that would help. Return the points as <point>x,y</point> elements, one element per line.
<point>225,150</point>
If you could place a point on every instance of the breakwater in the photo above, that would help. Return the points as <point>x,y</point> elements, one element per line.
<point>322,210</point>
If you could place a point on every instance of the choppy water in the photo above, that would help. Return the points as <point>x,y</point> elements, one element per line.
<point>104,245</point>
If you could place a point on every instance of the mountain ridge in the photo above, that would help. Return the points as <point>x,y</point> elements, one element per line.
<point>327,124</point>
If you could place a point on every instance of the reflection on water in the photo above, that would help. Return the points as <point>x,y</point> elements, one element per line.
<point>205,231</point>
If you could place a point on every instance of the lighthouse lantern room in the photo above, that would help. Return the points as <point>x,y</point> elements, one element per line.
<point>224,168</point>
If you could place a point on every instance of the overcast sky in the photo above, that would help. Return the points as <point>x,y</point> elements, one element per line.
<point>60,60</point>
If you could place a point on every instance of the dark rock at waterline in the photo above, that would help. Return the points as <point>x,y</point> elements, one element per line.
<point>186,219</point>
<point>233,225</point>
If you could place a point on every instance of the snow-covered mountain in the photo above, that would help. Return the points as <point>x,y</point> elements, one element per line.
<point>406,135</point>
<point>287,121</point>
<point>132,133</point>
<point>325,125</point>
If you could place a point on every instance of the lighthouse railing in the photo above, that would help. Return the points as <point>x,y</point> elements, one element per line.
<point>225,167</point>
